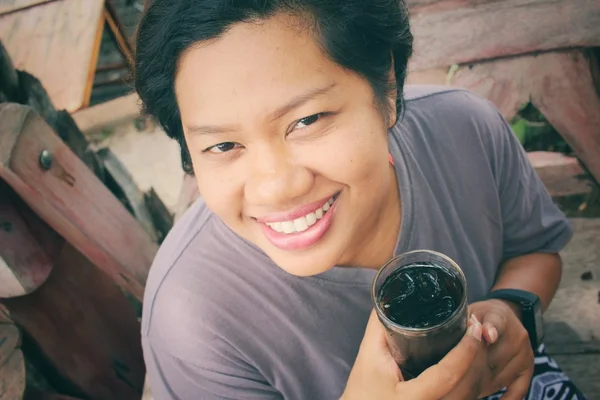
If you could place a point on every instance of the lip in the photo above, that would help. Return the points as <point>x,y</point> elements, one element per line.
<point>296,213</point>
<point>305,239</point>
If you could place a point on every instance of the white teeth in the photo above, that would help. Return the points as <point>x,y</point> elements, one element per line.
<point>319,213</point>
<point>288,227</point>
<point>303,223</point>
<point>311,219</point>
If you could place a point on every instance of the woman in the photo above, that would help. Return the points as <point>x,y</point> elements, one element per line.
<point>315,166</point>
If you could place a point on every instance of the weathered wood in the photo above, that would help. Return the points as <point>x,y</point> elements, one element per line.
<point>58,42</point>
<point>461,32</point>
<point>562,175</point>
<point>12,366</point>
<point>123,186</point>
<point>559,84</point>
<point>24,266</point>
<point>108,113</point>
<point>84,329</point>
<point>8,6</point>
<point>563,90</point>
<point>117,33</point>
<point>72,200</point>
<point>161,216</point>
<point>9,79</point>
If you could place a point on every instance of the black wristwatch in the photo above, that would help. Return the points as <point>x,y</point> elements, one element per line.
<point>531,311</point>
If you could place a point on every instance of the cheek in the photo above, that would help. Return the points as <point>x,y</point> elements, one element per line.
<point>221,192</point>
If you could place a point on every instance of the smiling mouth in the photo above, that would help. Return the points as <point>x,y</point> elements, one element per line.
<point>304,222</point>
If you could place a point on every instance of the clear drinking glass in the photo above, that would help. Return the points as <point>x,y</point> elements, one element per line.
<point>416,349</point>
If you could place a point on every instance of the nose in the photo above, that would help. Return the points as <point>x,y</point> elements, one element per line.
<point>275,178</point>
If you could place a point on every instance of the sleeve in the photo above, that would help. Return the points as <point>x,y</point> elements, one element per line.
<point>171,377</point>
<point>531,222</point>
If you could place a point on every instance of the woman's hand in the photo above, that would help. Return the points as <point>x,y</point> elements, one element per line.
<point>510,357</point>
<point>375,375</point>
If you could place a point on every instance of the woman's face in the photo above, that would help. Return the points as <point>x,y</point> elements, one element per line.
<point>289,149</point>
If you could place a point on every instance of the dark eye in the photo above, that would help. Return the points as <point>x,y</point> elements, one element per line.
<point>222,147</point>
<point>306,121</point>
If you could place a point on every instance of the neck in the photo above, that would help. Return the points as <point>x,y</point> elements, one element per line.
<point>376,248</point>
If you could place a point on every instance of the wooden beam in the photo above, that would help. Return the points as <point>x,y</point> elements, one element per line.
<point>10,6</point>
<point>461,32</point>
<point>562,88</point>
<point>24,266</point>
<point>84,329</point>
<point>58,42</point>
<point>54,182</point>
<point>117,32</point>
<point>560,84</point>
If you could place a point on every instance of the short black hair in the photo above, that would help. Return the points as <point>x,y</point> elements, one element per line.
<point>364,36</point>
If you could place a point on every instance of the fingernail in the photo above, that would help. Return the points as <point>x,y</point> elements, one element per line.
<point>475,330</point>
<point>493,332</point>
<point>474,319</point>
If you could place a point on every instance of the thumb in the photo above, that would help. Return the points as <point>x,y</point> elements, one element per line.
<point>374,339</point>
<point>374,349</point>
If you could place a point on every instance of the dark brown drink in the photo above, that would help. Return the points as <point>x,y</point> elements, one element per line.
<point>420,295</point>
<point>421,299</point>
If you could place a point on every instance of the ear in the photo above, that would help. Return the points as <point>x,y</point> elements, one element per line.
<point>391,97</point>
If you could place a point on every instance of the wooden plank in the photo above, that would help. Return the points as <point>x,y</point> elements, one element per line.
<point>562,175</point>
<point>24,266</point>
<point>449,33</point>
<point>85,329</point>
<point>58,42</point>
<point>562,88</point>
<point>8,6</point>
<point>72,200</point>
<point>108,113</point>
<point>116,31</point>
<point>560,85</point>
<point>12,365</point>
<point>504,82</point>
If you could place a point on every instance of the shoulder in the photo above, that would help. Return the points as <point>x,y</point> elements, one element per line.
<point>451,119</point>
<point>194,285</point>
<point>450,107</point>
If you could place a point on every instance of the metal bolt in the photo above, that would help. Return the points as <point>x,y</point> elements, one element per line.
<point>45,160</point>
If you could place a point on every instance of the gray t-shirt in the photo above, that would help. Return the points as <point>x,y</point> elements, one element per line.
<point>222,321</point>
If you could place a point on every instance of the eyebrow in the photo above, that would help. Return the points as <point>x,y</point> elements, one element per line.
<point>278,113</point>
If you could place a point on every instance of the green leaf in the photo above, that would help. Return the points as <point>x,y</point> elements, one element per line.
<point>519,127</point>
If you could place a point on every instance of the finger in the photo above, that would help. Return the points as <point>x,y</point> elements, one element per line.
<point>518,389</point>
<point>374,337</point>
<point>494,325</point>
<point>511,370</point>
<point>440,379</point>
